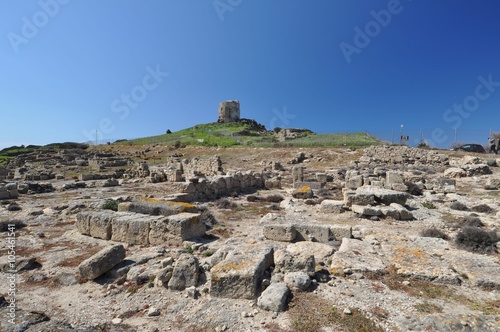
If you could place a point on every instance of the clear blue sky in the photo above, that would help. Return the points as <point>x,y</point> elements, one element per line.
<point>137,68</point>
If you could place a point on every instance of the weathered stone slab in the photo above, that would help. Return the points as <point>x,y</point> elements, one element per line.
<point>320,232</point>
<point>390,212</point>
<point>186,225</point>
<point>275,298</point>
<point>435,259</point>
<point>285,233</point>
<point>422,257</point>
<point>298,281</point>
<point>404,214</point>
<point>85,177</point>
<point>354,182</point>
<point>332,206</point>
<point>185,273</point>
<point>321,251</point>
<point>138,231</point>
<point>455,172</point>
<point>359,256</point>
<point>384,196</point>
<point>239,275</point>
<point>352,197</point>
<point>102,262</point>
<point>366,210</point>
<point>393,177</point>
<point>277,225</point>
<point>95,223</point>
<point>286,261</point>
<point>119,227</point>
<point>310,184</point>
<point>155,207</point>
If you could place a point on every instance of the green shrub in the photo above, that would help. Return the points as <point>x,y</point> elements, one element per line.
<point>476,239</point>
<point>208,253</point>
<point>428,205</point>
<point>110,204</point>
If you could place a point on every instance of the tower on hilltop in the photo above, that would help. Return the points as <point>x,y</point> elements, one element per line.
<point>229,111</point>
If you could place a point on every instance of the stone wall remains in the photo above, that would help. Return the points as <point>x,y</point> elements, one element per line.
<point>402,155</point>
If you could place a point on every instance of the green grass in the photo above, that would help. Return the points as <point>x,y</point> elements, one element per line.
<point>4,160</point>
<point>250,133</point>
<point>350,140</point>
<point>210,134</point>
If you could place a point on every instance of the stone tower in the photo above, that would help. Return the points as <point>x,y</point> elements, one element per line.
<point>229,111</point>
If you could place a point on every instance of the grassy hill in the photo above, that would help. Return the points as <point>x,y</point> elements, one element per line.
<point>250,133</point>
<point>243,133</point>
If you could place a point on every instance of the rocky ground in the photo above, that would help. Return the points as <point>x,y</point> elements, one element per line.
<point>400,268</point>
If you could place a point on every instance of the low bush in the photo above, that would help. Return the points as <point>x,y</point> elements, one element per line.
<point>224,203</point>
<point>428,205</point>
<point>252,198</point>
<point>110,204</point>
<point>476,239</point>
<point>482,208</point>
<point>471,221</point>
<point>274,198</point>
<point>458,206</point>
<point>275,207</point>
<point>434,232</point>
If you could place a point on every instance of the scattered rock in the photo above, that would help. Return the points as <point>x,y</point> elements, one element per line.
<point>102,262</point>
<point>275,298</point>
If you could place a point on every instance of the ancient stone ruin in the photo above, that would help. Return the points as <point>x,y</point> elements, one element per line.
<point>334,225</point>
<point>229,111</point>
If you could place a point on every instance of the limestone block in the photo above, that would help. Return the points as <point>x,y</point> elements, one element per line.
<point>285,232</point>
<point>187,225</point>
<point>366,210</point>
<point>239,275</point>
<point>404,214</point>
<point>286,261</point>
<point>101,262</point>
<point>455,172</point>
<point>354,182</point>
<point>138,231</point>
<point>275,298</point>
<point>185,273</point>
<point>332,206</point>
